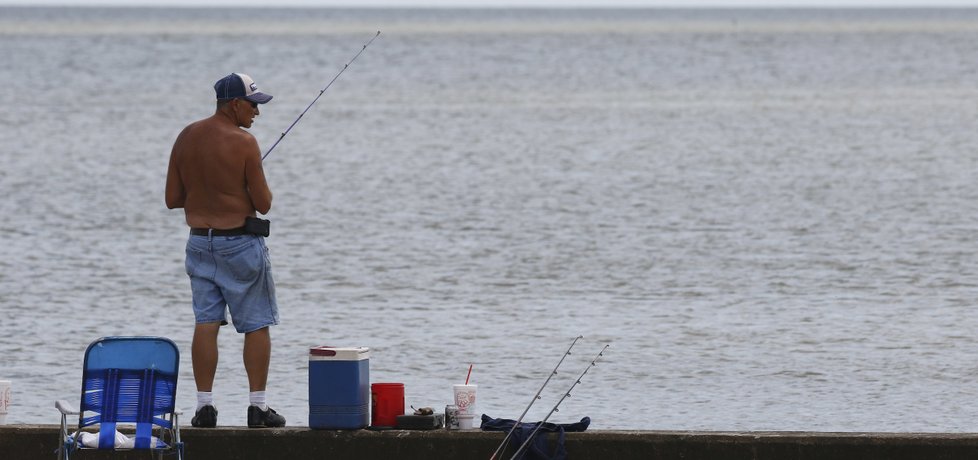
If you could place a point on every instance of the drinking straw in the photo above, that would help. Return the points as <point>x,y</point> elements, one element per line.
<point>468,375</point>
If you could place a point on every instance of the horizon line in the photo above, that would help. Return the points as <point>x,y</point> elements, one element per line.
<point>494,6</point>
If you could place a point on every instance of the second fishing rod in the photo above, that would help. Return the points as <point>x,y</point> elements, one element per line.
<point>502,445</point>
<point>567,394</point>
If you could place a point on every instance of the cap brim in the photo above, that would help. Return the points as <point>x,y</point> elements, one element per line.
<point>259,98</point>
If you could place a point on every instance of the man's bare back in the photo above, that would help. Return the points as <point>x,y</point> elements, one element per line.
<point>215,170</point>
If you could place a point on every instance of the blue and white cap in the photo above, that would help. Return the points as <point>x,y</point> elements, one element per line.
<point>240,85</point>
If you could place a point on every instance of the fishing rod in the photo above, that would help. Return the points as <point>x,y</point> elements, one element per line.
<point>540,424</point>
<point>535,398</point>
<point>320,95</point>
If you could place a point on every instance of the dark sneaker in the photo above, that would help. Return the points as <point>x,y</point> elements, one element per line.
<point>258,418</point>
<point>206,417</point>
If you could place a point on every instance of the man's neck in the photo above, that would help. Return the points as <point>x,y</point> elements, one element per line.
<point>226,115</point>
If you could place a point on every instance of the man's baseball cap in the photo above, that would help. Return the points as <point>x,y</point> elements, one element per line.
<point>240,85</point>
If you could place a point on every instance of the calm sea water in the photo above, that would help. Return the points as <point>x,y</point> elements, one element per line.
<point>769,215</point>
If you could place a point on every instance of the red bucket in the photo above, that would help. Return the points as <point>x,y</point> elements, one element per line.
<point>387,403</point>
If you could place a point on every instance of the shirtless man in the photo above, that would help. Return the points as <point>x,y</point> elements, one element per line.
<point>216,176</point>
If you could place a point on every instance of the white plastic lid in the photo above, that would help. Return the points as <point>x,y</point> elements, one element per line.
<point>327,353</point>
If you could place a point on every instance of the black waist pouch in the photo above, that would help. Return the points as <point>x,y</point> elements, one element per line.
<point>256,226</point>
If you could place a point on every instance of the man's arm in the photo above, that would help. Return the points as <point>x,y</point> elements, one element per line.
<point>257,186</point>
<point>176,194</point>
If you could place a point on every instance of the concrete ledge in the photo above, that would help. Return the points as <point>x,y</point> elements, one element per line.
<point>29,442</point>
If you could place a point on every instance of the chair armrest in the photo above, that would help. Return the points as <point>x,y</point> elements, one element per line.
<point>65,407</point>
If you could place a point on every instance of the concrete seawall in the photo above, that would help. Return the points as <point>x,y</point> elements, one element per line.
<point>30,442</point>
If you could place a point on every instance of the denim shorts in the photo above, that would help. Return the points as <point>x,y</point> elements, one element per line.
<point>232,273</point>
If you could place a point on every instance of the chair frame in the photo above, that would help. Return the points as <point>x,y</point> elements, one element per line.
<point>158,418</point>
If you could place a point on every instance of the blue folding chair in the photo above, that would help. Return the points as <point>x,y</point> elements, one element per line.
<point>126,381</point>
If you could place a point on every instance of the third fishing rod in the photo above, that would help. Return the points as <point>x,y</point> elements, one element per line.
<point>320,95</point>
<point>535,398</point>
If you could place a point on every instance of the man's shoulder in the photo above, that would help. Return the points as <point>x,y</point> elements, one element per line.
<point>240,140</point>
<point>209,123</point>
<point>198,126</point>
<point>213,127</point>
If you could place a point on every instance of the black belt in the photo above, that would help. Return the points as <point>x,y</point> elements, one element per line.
<point>218,232</point>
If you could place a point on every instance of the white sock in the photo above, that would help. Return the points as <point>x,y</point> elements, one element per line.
<point>204,398</point>
<point>258,399</point>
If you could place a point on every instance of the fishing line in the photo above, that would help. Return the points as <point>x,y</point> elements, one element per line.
<point>535,398</point>
<point>320,94</point>
<point>540,424</point>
